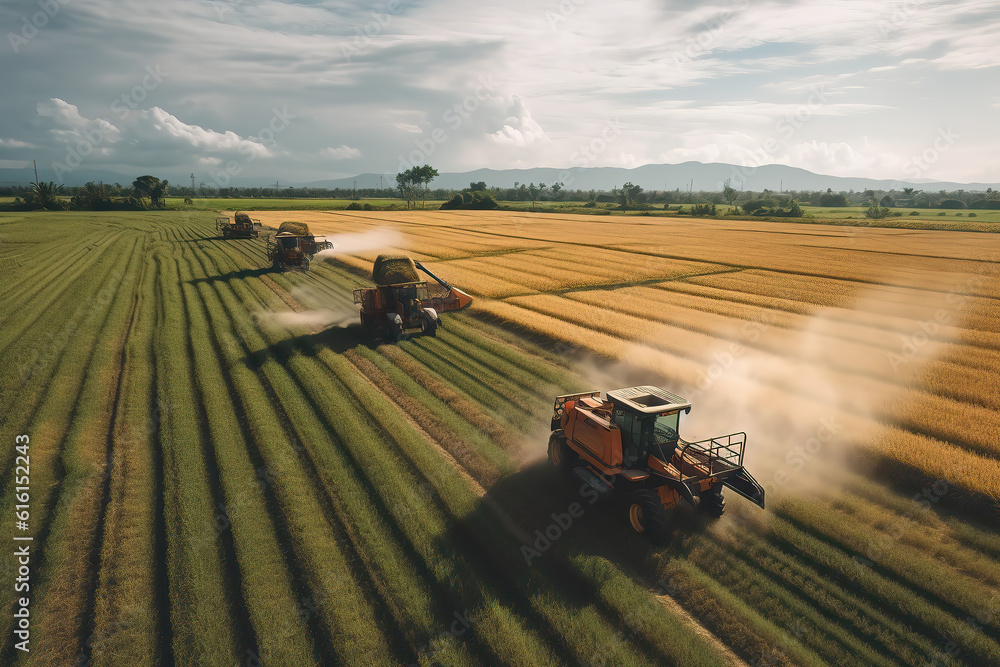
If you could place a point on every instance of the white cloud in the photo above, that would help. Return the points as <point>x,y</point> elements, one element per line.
<point>161,127</point>
<point>71,127</point>
<point>345,152</point>
<point>519,128</point>
<point>408,127</point>
<point>14,143</point>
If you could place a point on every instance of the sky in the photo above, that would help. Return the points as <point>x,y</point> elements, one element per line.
<point>270,90</point>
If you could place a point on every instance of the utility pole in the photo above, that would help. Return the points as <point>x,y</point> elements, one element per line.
<point>354,193</point>
<point>192,185</point>
<point>781,186</point>
<point>35,164</point>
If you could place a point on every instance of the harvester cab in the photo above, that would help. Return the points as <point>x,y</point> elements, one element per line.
<point>242,227</point>
<point>628,444</point>
<point>293,247</point>
<point>402,301</point>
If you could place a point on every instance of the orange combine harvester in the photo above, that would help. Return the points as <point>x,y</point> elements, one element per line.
<point>402,301</point>
<point>628,444</point>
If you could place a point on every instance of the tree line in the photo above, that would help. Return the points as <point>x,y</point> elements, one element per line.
<point>146,192</point>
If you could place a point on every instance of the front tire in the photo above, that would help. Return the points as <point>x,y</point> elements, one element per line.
<point>646,513</point>
<point>561,455</point>
<point>713,503</point>
<point>430,327</point>
<point>393,331</point>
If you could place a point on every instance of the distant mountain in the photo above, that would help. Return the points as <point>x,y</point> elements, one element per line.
<point>709,176</point>
<point>701,176</point>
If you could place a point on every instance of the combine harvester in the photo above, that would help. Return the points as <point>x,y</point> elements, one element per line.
<point>627,445</point>
<point>402,301</point>
<point>244,227</point>
<point>293,247</point>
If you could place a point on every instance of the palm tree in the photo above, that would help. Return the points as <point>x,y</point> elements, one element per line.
<point>45,195</point>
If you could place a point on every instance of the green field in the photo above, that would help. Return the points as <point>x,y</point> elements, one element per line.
<point>208,489</point>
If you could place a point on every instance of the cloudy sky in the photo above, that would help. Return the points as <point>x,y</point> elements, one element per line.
<point>299,91</point>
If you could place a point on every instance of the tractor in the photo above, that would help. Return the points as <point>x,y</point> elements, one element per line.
<point>293,247</point>
<point>627,445</point>
<point>403,302</point>
<point>243,227</point>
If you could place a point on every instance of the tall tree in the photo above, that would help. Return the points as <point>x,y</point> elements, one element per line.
<point>729,193</point>
<point>424,175</point>
<point>151,187</point>
<point>45,195</point>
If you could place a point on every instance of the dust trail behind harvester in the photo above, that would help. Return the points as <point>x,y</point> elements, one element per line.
<point>322,310</point>
<point>385,238</point>
<point>802,402</point>
<point>309,318</point>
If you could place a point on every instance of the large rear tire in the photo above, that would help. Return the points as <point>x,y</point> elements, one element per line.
<point>713,503</point>
<point>646,513</point>
<point>561,455</point>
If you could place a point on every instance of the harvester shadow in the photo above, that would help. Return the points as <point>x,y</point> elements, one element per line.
<point>337,339</point>
<point>527,528</point>
<point>235,275</point>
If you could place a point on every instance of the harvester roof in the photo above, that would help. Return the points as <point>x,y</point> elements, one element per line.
<point>244,218</point>
<point>394,270</point>
<point>649,399</point>
<point>294,228</point>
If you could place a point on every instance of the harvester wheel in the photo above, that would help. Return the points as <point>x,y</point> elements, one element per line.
<point>393,332</point>
<point>646,513</point>
<point>561,455</point>
<point>713,503</point>
<point>429,327</point>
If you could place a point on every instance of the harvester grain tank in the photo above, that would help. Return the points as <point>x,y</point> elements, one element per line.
<point>627,445</point>
<point>242,227</point>
<point>402,301</point>
<point>293,246</point>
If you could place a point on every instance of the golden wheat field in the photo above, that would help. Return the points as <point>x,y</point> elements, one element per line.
<point>893,332</point>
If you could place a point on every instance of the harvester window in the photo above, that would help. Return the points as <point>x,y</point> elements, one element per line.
<point>288,243</point>
<point>635,447</point>
<point>665,428</point>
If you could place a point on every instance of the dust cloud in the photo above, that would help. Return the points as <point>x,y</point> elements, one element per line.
<point>310,318</point>
<point>805,397</point>
<point>354,243</point>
